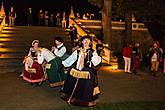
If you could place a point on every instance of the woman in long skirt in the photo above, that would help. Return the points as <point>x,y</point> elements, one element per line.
<point>33,72</point>
<point>81,84</point>
<point>54,68</point>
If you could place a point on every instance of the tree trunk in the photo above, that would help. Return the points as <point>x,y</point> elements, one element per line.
<point>106,22</point>
<point>128,27</point>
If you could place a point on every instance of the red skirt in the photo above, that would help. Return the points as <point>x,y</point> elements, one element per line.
<point>35,74</point>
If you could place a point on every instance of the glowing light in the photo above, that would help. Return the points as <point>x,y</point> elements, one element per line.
<point>8,27</point>
<point>114,67</point>
<point>5,50</point>
<point>5,35</point>
<point>109,68</point>
<point>106,45</point>
<point>5,56</point>
<point>83,26</point>
<point>79,23</point>
<point>92,35</point>
<point>7,32</point>
<point>77,20</point>
<point>1,44</point>
<point>5,39</point>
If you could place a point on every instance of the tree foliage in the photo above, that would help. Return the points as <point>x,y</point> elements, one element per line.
<point>145,9</point>
<point>98,3</point>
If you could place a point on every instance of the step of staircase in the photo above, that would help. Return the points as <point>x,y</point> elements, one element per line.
<point>16,41</point>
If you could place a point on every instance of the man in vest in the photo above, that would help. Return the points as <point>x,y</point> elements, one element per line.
<point>12,16</point>
<point>59,49</point>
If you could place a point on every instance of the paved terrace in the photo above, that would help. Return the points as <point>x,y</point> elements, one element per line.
<point>16,94</point>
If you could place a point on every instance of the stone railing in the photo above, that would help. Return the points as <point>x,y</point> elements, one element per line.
<point>2,22</point>
<point>115,25</point>
<point>80,31</point>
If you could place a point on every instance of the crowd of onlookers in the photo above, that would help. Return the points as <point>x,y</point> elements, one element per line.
<point>45,17</point>
<point>133,56</point>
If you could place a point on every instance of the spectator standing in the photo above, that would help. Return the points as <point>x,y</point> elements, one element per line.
<point>40,18</point>
<point>46,18</point>
<point>161,60</point>
<point>100,49</point>
<point>155,56</point>
<point>51,20</point>
<point>29,17</point>
<point>73,33</point>
<point>164,66</point>
<point>136,56</point>
<point>127,54</point>
<point>58,20</point>
<point>12,16</point>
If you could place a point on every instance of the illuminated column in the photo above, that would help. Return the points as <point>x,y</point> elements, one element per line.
<point>71,13</point>
<point>133,18</point>
<point>2,12</point>
<point>63,21</point>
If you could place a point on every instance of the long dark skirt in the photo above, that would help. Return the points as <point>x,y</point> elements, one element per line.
<point>55,72</point>
<point>86,90</point>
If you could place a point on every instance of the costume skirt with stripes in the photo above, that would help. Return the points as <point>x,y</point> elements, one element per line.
<point>55,72</point>
<point>35,74</point>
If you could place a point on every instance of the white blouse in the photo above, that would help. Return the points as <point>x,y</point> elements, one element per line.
<point>45,54</point>
<point>73,57</point>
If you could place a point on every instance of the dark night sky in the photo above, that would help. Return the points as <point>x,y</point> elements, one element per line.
<point>53,6</point>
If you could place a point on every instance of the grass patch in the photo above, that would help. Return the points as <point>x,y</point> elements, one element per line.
<point>123,106</point>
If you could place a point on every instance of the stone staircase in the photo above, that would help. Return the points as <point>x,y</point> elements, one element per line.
<point>16,41</point>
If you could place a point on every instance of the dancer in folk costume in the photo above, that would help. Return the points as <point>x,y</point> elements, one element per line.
<point>33,72</point>
<point>81,84</point>
<point>54,67</point>
<point>59,49</point>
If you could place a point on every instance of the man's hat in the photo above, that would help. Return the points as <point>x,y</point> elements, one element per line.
<point>58,39</point>
<point>86,37</point>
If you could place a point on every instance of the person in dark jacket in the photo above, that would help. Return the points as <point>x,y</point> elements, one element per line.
<point>155,56</point>
<point>29,17</point>
<point>100,49</point>
<point>136,57</point>
<point>73,33</point>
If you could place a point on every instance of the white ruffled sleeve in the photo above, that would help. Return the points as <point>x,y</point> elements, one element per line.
<point>70,60</point>
<point>96,59</point>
